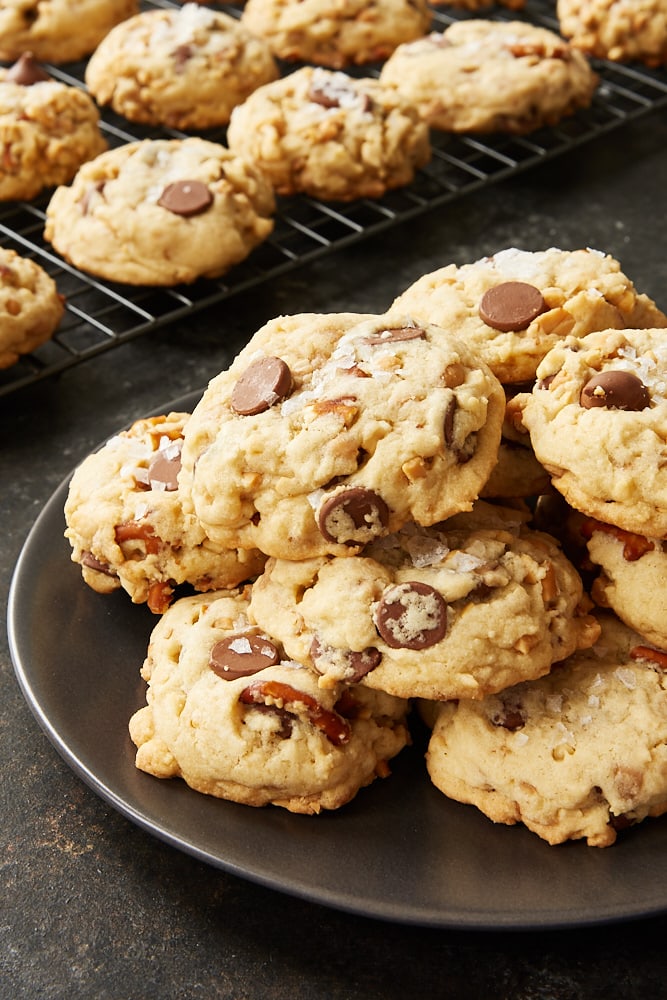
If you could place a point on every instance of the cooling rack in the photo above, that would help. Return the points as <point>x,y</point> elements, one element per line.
<point>100,315</point>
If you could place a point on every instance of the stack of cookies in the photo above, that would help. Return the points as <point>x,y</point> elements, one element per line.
<point>345,503</point>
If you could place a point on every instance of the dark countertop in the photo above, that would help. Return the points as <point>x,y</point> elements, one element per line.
<point>93,906</point>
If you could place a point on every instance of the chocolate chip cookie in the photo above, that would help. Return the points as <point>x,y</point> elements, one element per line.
<point>31,307</point>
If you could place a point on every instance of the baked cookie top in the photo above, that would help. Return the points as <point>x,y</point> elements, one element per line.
<point>597,419</point>
<point>336,33</point>
<point>326,433</point>
<point>185,67</point>
<point>31,307</point>
<point>580,753</point>
<point>127,525</point>
<point>330,135</point>
<point>47,129</point>
<point>515,305</point>
<point>491,76</point>
<point>620,30</point>
<point>233,718</point>
<point>458,610</point>
<point>161,212</point>
<point>58,31</point>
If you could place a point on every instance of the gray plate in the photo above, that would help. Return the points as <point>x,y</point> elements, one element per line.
<point>400,851</point>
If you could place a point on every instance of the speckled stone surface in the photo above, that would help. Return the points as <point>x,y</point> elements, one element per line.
<point>94,907</point>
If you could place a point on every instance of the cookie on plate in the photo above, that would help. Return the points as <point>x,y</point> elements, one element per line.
<point>632,578</point>
<point>620,30</point>
<point>31,307</point>
<point>597,419</point>
<point>326,433</point>
<point>47,130</point>
<point>580,753</point>
<point>515,305</point>
<point>331,136</point>
<point>336,33</point>
<point>228,714</point>
<point>491,76</point>
<point>58,31</point>
<point>127,527</point>
<point>459,610</point>
<point>161,212</point>
<point>185,68</point>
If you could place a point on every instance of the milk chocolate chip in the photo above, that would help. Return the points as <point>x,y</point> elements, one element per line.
<point>265,382</point>
<point>186,198</point>
<point>617,390</point>
<point>353,515</point>
<point>411,616</point>
<point>242,655</point>
<point>513,305</point>
<point>395,335</point>
<point>358,663</point>
<point>164,469</point>
<point>26,71</point>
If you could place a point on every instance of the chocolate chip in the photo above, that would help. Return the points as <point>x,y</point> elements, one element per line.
<point>411,616</point>
<point>353,515</point>
<point>510,718</point>
<point>242,655</point>
<point>186,198</point>
<point>334,94</point>
<point>92,562</point>
<point>617,390</point>
<point>396,334</point>
<point>164,469</point>
<point>358,663</point>
<point>266,381</point>
<point>26,71</point>
<point>513,305</point>
<point>449,422</point>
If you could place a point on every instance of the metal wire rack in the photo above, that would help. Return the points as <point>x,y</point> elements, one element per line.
<point>101,315</point>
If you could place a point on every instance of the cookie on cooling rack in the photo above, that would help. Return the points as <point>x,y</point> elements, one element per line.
<point>326,134</point>
<point>228,714</point>
<point>47,130</point>
<point>580,753</point>
<point>185,68</point>
<point>491,76</point>
<point>336,33</point>
<point>58,31</point>
<point>161,212</point>
<point>30,306</point>
<point>515,305</point>
<point>326,433</point>
<point>127,527</point>
<point>619,30</point>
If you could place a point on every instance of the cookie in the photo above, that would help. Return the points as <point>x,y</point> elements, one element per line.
<point>331,136</point>
<point>58,31</point>
<point>161,212</point>
<point>185,68</point>
<point>327,432</point>
<point>31,307</point>
<point>336,33</point>
<point>619,30</point>
<point>127,527</point>
<point>597,419</point>
<point>514,306</point>
<point>632,577</point>
<point>47,130</point>
<point>517,472</point>
<point>231,717</point>
<point>578,754</point>
<point>459,610</point>
<point>486,76</point>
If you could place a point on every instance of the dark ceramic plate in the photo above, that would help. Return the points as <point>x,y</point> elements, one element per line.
<point>400,851</point>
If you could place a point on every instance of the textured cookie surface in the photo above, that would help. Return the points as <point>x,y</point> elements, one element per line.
<point>228,714</point>
<point>30,306</point>
<point>516,305</point>
<point>336,33</point>
<point>327,432</point>
<point>58,31</point>
<point>161,212</point>
<point>491,76</point>
<point>185,68</point>
<point>597,419</point>
<point>331,136</point>
<point>580,753</point>
<point>127,526</point>
<point>620,30</point>
<point>459,610</point>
